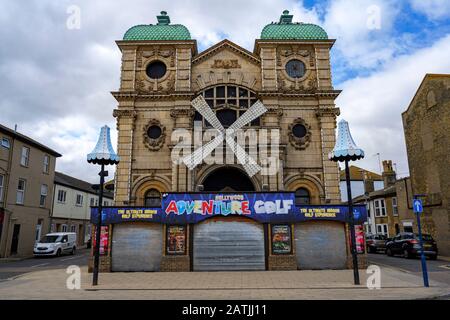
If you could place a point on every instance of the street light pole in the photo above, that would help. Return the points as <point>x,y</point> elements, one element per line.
<point>98,231</point>
<point>346,150</point>
<point>351,224</point>
<point>103,154</point>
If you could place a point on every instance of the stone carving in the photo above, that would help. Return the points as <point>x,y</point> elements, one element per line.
<point>226,64</point>
<point>300,143</point>
<point>154,144</point>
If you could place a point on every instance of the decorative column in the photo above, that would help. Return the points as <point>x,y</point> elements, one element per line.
<point>327,119</point>
<point>125,127</point>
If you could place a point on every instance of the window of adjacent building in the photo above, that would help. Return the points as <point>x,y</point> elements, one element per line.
<point>394,206</point>
<point>73,228</point>
<point>64,228</point>
<point>153,198</point>
<point>79,201</point>
<point>380,208</point>
<point>62,196</point>
<point>105,203</point>
<point>302,197</point>
<point>2,181</point>
<point>44,193</point>
<point>5,143</point>
<point>46,164</point>
<point>382,229</point>
<point>92,202</point>
<point>25,156</point>
<point>20,196</point>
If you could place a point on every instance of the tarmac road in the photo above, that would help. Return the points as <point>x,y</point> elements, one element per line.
<point>10,270</point>
<point>438,270</point>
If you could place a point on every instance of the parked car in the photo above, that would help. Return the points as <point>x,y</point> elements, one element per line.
<point>407,244</point>
<point>375,243</point>
<point>56,244</point>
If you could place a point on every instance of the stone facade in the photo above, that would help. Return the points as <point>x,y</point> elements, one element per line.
<point>426,125</point>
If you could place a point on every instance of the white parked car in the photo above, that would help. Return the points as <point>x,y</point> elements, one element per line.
<point>56,244</point>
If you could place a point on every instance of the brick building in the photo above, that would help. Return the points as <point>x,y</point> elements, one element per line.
<point>162,73</point>
<point>426,124</point>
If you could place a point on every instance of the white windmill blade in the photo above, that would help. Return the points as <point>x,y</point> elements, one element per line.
<point>255,111</point>
<point>195,158</point>
<point>249,164</point>
<point>205,110</point>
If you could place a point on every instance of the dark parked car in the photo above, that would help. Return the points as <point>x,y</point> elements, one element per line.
<point>375,243</point>
<point>407,244</point>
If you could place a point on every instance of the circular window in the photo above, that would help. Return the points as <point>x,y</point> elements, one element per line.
<point>299,131</point>
<point>154,132</point>
<point>156,70</point>
<point>295,69</point>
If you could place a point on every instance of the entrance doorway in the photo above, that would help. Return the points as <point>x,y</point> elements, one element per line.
<point>228,179</point>
<point>15,239</point>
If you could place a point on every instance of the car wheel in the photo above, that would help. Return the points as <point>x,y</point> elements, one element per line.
<point>433,257</point>
<point>58,253</point>
<point>389,252</point>
<point>406,254</point>
<point>73,251</point>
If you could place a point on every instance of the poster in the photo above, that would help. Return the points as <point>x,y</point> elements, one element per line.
<point>176,239</point>
<point>359,236</point>
<point>281,239</point>
<point>104,237</point>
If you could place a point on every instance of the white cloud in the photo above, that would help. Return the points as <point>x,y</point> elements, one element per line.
<point>433,9</point>
<point>363,29</point>
<point>373,104</point>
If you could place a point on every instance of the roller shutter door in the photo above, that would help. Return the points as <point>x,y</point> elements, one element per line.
<point>136,247</point>
<point>320,245</point>
<point>228,245</point>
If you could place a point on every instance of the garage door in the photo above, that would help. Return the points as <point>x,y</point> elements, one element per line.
<point>320,245</point>
<point>228,245</point>
<point>136,247</point>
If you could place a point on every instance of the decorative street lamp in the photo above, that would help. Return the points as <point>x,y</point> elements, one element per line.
<point>346,150</point>
<point>103,154</point>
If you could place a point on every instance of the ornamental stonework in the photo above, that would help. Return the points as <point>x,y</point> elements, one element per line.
<point>154,143</point>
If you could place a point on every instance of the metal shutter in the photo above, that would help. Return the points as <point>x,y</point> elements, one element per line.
<point>228,245</point>
<point>320,245</point>
<point>136,247</point>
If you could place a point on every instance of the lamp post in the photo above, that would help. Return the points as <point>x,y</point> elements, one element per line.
<point>346,150</point>
<point>103,154</point>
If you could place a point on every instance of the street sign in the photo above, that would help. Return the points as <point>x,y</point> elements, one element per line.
<point>418,206</point>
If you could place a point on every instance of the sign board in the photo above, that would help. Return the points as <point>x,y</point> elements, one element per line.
<point>271,207</point>
<point>418,205</point>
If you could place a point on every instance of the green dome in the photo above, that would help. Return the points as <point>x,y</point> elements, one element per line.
<point>285,29</point>
<point>163,30</point>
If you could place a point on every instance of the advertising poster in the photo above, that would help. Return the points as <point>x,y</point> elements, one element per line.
<point>104,236</point>
<point>359,235</point>
<point>281,239</point>
<point>176,239</point>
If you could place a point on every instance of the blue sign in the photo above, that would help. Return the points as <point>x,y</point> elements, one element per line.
<point>272,207</point>
<point>418,206</point>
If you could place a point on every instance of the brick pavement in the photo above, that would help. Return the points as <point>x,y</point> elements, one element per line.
<point>330,284</point>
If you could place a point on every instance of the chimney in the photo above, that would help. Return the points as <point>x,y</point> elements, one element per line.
<point>389,175</point>
<point>368,183</point>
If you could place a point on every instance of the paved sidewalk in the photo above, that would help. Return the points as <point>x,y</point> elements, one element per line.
<point>333,284</point>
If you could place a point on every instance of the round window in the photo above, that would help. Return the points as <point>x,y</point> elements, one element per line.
<point>156,70</point>
<point>299,131</point>
<point>154,132</point>
<point>295,69</point>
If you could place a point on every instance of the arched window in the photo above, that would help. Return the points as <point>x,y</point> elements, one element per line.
<point>302,197</point>
<point>229,102</point>
<point>153,198</point>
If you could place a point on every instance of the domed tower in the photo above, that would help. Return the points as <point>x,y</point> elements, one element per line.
<point>296,83</point>
<point>155,83</point>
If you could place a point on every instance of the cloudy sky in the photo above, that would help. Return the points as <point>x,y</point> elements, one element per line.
<point>56,78</point>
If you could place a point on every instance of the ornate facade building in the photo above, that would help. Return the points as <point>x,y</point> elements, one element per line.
<point>289,72</point>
